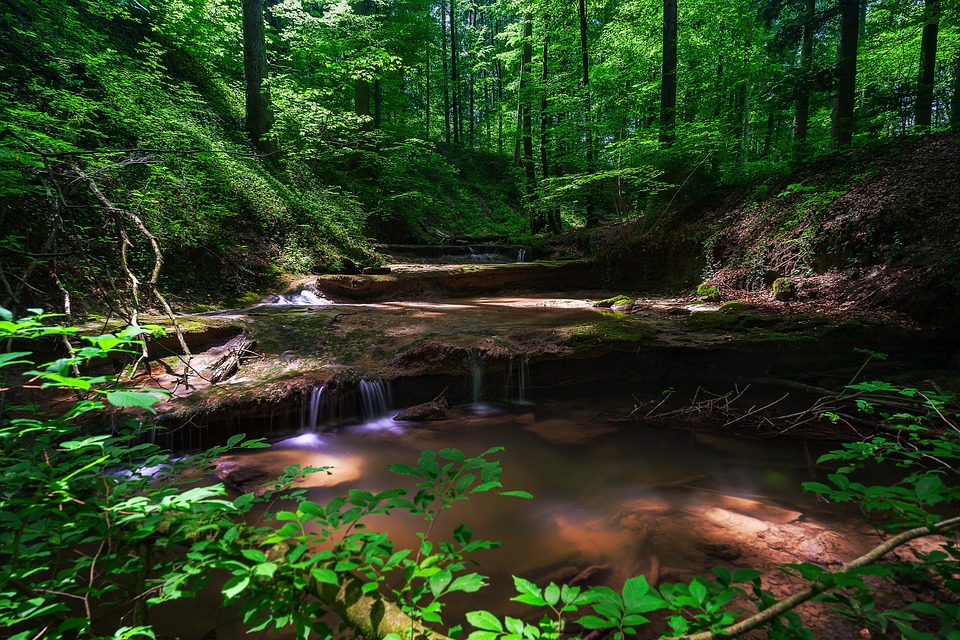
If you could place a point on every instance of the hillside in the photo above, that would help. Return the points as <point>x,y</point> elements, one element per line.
<point>871,229</point>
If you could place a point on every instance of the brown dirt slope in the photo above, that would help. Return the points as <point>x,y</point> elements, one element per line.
<point>875,228</point>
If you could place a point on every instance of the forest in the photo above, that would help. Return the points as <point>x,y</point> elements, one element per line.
<point>666,291</point>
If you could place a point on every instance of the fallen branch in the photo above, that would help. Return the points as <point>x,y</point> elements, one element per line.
<point>790,603</point>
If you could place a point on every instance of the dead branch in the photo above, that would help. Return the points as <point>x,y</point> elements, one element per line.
<point>788,604</point>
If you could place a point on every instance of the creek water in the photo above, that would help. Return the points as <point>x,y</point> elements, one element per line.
<point>608,502</point>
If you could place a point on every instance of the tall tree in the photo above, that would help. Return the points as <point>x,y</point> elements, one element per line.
<point>802,118</point>
<point>844,94</point>
<point>526,123</point>
<point>446,76</point>
<point>928,62</point>
<point>588,110</point>
<point>454,73</point>
<point>361,86</point>
<point>258,115</point>
<point>668,75</point>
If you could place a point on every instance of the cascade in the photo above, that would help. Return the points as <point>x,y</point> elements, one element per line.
<point>476,374</point>
<point>521,255</point>
<point>304,298</point>
<point>518,376</point>
<point>310,412</point>
<point>376,398</point>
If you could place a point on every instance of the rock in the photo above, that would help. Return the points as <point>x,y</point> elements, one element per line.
<point>620,303</point>
<point>678,311</point>
<point>376,271</point>
<point>708,293</point>
<point>784,289</point>
<point>568,431</point>
<point>593,575</point>
<point>721,550</point>
<point>425,412</point>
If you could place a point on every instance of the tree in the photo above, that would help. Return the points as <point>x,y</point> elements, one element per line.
<point>259,117</point>
<point>844,95</point>
<point>802,118</point>
<point>928,63</point>
<point>668,85</point>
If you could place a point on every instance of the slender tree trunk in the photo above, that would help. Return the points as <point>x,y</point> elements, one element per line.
<point>473,119</point>
<point>446,75</point>
<point>668,75</point>
<point>361,86</point>
<point>454,73</point>
<point>553,216</point>
<point>258,116</point>
<point>377,103</point>
<point>591,213</point>
<point>803,91</point>
<point>427,116</point>
<point>928,63</point>
<point>529,169</point>
<point>844,95</point>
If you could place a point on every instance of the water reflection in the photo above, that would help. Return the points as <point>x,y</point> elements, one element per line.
<point>609,502</point>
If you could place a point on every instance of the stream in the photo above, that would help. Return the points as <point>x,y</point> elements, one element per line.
<point>611,499</point>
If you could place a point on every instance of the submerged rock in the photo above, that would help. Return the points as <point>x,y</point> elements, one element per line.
<point>425,412</point>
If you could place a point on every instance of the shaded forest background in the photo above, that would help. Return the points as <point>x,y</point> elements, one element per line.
<point>252,139</point>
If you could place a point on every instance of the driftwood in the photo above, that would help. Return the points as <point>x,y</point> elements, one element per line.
<point>236,351</point>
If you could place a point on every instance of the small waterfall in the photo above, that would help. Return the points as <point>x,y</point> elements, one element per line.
<point>336,401</point>
<point>376,398</point>
<point>476,374</point>
<point>304,298</point>
<point>518,379</point>
<point>523,379</point>
<point>521,255</point>
<point>310,412</point>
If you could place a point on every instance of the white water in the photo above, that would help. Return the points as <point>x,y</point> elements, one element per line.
<point>304,298</point>
<point>324,406</point>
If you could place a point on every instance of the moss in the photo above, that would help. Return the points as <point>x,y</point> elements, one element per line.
<point>616,301</point>
<point>619,329</point>
<point>733,306</point>
<point>708,293</point>
<point>784,289</point>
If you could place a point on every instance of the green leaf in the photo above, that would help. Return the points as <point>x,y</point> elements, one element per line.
<point>265,569</point>
<point>517,494</point>
<point>235,586</point>
<point>529,593</point>
<point>141,399</point>
<point>254,554</point>
<point>484,620</point>
<point>324,575</point>
<point>469,583</point>
<point>551,594</point>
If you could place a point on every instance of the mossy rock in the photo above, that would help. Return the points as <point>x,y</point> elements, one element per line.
<point>734,306</point>
<point>784,289</point>
<point>615,302</point>
<point>708,293</point>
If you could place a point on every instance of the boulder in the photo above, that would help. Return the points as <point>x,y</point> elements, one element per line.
<point>425,412</point>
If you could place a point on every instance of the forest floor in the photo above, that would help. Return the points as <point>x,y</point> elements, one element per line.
<point>874,229</point>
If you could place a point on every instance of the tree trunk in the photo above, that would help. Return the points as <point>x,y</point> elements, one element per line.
<point>668,76</point>
<point>802,120</point>
<point>591,213</point>
<point>928,63</point>
<point>446,76</point>
<point>259,118</point>
<point>526,119</point>
<point>427,116</point>
<point>454,73</point>
<point>361,86</point>
<point>844,95</point>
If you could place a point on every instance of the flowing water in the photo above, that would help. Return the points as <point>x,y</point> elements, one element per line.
<point>609,502</point>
